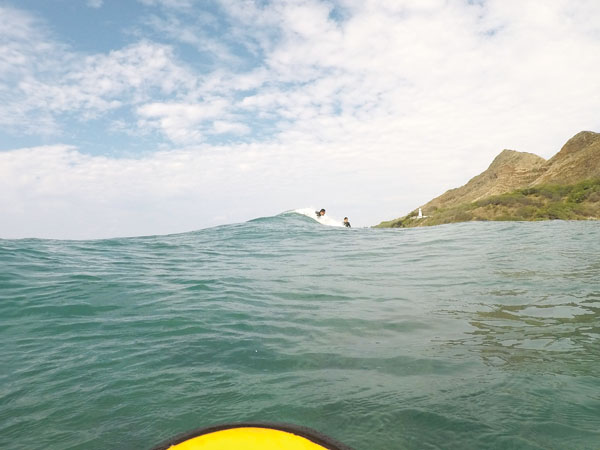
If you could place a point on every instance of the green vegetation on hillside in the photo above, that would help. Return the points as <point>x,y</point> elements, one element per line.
<point>579,201</point>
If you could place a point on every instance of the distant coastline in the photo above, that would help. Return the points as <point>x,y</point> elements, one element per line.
<point>522,186</point>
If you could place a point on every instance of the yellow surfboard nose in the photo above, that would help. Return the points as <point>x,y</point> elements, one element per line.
<point>253,437</point>
<point>248,439</point>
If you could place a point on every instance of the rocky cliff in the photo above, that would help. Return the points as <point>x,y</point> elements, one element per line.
<point>579,159</point>
<point>510,170</point>
<point>515,172</point>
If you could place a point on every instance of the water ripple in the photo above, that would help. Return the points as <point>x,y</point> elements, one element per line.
<point>470,336</point>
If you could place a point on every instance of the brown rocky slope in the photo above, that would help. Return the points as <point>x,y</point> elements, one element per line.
<point>578,160</point>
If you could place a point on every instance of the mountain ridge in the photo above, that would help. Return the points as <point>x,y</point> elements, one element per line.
<point>577,161</point>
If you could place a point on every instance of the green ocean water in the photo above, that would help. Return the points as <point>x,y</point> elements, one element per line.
<point>465,336</point>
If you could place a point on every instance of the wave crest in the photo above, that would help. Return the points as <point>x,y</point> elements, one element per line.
<point>323,220</point>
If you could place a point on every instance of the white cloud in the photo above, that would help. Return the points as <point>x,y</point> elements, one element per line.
<point>410,62</point>
<point>59,192</point>
<point>69,194</point>
<point>135,70</point>
<point>176,4</point>
<point>490,72</point>
<point>197,34</point>
<point>182,122</point>
<point>377,106</point>
<point>23,40</point>
<point>95,3</point>
<point>25,47</point>
<point>221,126</point>
<point>91,85</point>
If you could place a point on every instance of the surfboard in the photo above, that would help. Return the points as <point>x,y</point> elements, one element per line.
<point>252,436</point>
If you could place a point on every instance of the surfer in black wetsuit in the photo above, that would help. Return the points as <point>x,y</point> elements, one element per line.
<point>320,213</point>
<point>346,223</point>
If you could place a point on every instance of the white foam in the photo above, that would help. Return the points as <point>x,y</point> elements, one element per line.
<point>324,220</point>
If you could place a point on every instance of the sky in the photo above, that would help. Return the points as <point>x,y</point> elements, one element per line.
<point>143,117</point>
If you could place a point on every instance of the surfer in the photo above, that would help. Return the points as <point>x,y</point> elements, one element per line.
<point>346,223</point>
<point>320,213</point>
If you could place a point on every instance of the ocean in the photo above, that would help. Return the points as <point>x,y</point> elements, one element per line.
<point>466,336</point>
